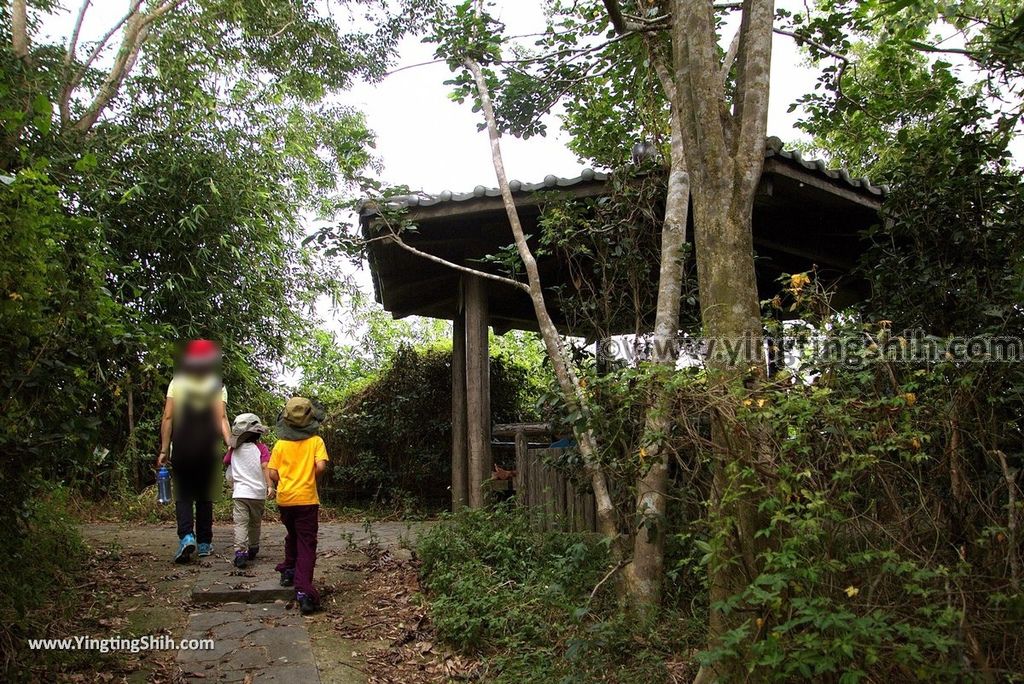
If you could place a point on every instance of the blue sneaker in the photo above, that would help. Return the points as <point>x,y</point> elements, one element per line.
<point>185,549</point>
<point>205,550</point>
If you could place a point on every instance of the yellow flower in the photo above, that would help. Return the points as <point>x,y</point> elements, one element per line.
<point>851,591</point>
<point>910,398</point>
<point>759,622</point>
<point>798,280</point>
<point>643,453</point>
<point>14,296</point>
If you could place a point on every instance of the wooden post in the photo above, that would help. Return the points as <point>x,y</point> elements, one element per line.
<point>522,446</point>
<point>478,389</point>
<point>562,509</point>
<point>460,488</point>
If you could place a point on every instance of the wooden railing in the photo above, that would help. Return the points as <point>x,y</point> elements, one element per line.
<point>552,499</point>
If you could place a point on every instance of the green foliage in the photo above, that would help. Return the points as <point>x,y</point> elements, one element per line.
<point>390,437</point>
<point>610,247</point>
<point>38,580</point>
<point>181,214</point>
<point>523,600</point>
<point>331,369</point>
<point>874,562</point>
<point>58,324</point>
<point>913,490</point>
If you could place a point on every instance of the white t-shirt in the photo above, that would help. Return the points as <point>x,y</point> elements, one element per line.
<point>246,472</point>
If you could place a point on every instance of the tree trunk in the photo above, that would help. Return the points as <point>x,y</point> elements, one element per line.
<point>645,575</point>
<point>567,381</point>
<point>725,154</point>
<point>729,308</point>
<point>19,29</point>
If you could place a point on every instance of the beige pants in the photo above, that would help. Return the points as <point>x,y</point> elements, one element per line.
<point>248,515</point>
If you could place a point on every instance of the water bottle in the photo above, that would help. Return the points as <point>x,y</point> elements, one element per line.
<point>163,485</point>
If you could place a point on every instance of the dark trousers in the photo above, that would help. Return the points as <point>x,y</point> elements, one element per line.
<point>201,525</point>
<point>302,524</point>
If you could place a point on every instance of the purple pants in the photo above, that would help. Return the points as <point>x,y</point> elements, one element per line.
<point>302,524</point>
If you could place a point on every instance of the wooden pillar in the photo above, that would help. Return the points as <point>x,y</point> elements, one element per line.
<point>460,486</point>
<point>478,389</point>
<point>522,446</point>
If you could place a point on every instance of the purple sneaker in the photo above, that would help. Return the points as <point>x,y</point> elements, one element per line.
<point>241,559</point>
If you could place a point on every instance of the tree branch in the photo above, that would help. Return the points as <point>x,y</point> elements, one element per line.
<point>801,40</point>
<point>730,56</point>
<point>393,237</point>
<point>699,91</point>
<point>752,87</point>
<point>69,54</point>
<point>136,32</point>
<point>615,15</point>
<point>102,43</point>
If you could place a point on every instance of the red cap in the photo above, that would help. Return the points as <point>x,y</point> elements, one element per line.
<point>201,350</point>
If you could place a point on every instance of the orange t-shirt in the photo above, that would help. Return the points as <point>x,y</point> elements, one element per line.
<point>295,463</point>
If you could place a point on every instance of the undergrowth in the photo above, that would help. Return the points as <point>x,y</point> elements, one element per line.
<point>542,606</point>
<point>40,571</point>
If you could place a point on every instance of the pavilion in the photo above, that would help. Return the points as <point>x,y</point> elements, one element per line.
<point>805,215</point>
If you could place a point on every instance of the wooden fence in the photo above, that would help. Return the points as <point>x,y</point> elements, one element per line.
<point>552,499</point>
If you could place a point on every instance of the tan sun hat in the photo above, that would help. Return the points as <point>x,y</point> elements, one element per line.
<point>298,412</point>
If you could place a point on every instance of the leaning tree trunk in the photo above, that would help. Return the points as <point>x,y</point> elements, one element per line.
<point>568,383</point>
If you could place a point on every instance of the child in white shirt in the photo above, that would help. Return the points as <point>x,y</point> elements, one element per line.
<point>246,463</point>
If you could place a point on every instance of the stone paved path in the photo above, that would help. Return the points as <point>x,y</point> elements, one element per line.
<point>252,642</point>
<point>259,635</point>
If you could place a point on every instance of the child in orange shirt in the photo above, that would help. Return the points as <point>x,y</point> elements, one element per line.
<point>299,456</point>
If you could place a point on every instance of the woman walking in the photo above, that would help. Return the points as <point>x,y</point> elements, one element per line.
<point>193,432</point>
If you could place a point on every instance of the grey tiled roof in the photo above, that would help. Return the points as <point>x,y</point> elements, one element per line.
<point>773,148</point>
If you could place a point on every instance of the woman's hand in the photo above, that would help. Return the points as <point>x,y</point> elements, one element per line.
<point>161,459</point>
<point>271,493</point>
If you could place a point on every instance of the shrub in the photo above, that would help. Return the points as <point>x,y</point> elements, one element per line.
<point>390,441</point>
<point>523,599</point>
<point>38,573</point>
<point>885,526</point>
